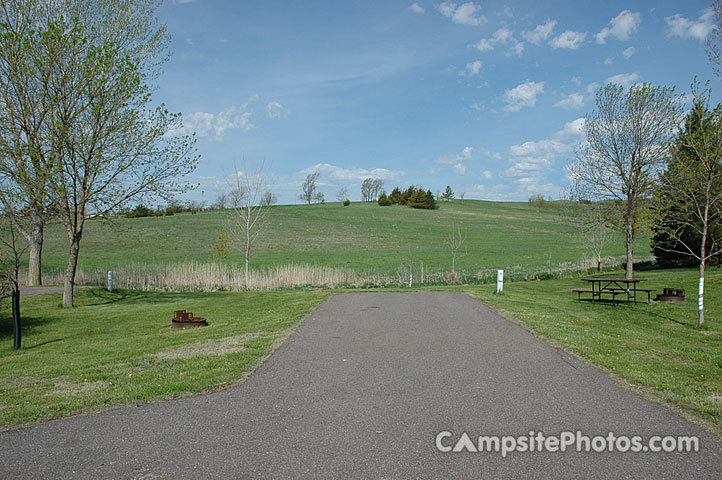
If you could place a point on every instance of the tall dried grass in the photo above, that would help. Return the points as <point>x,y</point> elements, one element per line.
<point>208,277</point>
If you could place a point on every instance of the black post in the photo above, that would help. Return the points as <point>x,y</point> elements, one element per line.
<point>17,324</point>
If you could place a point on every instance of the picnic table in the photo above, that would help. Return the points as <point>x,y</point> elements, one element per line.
<point>613,287</point>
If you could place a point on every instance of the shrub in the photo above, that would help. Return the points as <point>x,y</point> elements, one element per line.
<point>451,278</point>
<point>346,203</point>
<point>384,200</point>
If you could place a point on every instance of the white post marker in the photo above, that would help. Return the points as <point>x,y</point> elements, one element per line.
<point>110,280</point>
<point>499,282</point>
<point>700,302</point>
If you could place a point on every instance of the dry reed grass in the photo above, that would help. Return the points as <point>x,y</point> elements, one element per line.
<point>193,276</point>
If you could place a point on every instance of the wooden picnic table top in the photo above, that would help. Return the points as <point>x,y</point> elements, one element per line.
<point>620,280</point>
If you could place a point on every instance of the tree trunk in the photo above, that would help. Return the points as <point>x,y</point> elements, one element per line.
<point>630,246</point>
<point>35,252</point>
<point>246,273</point>
<point>69,280</point>
<point>247,253</point>
<point>34,238</point>
<point>702,261</point>
<point>700,315</point>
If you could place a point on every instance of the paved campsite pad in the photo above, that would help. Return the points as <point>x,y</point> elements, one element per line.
<point>360,391</point>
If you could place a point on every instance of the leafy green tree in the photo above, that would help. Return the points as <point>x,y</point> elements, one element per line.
<point>222,247</point>
<point>29,51</point>
<point>384,200</point>
<point>689,199</point>
<point>627,137</point>
<point>109,144</point>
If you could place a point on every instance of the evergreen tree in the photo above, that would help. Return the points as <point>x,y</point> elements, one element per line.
<point>448,194</point>
<point>395,196</point>
<point>406,195</point>
<point>384,200</point>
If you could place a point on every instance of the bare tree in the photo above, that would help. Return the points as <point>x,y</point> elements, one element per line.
<point>367,190</point>
<point>370,189</point>
<point>309,187</point>
<point>221,202</point>
<point>591,221</point>
<point>714,40</point>
<point>268,198</point>
<point>250,213</point>
<point>376,186</point>
<point>690,194</point>
<point>10,256</point>
<point>342,194</point>
<point>627,137</point>
<point>454,239</point>
<point>109,145</point>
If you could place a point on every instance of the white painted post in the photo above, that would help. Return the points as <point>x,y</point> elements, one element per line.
<point>499,282</point>
<point>700,302</point>
<point>110,280</point>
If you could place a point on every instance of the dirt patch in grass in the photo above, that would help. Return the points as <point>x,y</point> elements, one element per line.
<point>215,346</point>
<point>66,386</point>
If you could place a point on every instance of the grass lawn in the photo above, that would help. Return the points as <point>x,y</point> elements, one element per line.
<point>364,237</point>
<point>653,347</point>
<point>118,348</point>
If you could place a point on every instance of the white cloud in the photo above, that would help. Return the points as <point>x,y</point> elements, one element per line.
<point>573,129</point>
<point>517,48</point>
<point>624,79</point>
<point>679,26</point>
<point>568,39</point>
<point>487,175</point>
<point>574,101</point>
<point>571,101</point>
<point>523,95</point>
<point>541,33</point>
<point>608,61</point>
<point>335,172</point>
<point>472,69</point>
<point>592,87</point>
<point>620,27</point>
<point>276,110</point>
<point>531,162</point>
<point>416,8</point>
<point>466,14</point>
<point>503,36</point>
<point>456,161</point>
<point>215,125</point>
<point>628,52</point>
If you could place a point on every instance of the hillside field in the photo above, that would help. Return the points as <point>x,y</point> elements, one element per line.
<point>363,237</point>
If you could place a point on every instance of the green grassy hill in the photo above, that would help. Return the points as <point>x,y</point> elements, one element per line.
<point>363,237</point>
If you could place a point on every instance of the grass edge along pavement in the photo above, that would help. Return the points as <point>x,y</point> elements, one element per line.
<point>117,349</point>
<point>653,349</point>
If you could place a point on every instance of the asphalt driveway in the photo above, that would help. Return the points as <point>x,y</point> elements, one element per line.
<point>361,390</point>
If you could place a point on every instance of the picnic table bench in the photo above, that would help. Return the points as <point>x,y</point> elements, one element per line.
<point>613,287</point>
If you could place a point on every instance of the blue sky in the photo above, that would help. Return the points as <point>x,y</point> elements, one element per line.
<point>486,97</point>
